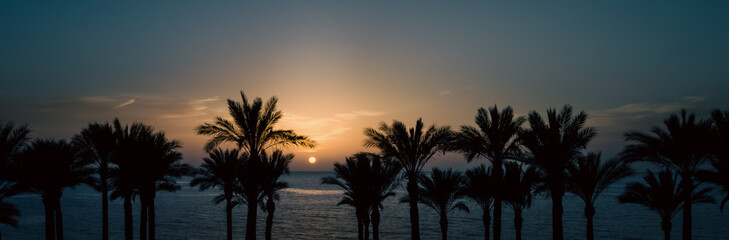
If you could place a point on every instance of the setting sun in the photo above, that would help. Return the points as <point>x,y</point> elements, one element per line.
<point>312,160</point>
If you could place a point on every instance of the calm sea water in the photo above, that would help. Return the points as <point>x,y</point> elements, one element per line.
<point>308,210</point>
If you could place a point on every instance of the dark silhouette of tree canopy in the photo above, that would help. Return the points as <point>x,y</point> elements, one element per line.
<point>46,167</point>
<point>683,146</point>
<point>274,166</point>
<point>442,192</point>
<point>12,141</point>
<point>588,177</point>
<point>412,148</point>
<point>519,190</point>
<point>662,195</point>
<point>252,130</point>
<point>494,140</point>
<point>481,188</point>
<point>219,170</point>
<point>97,143</point>
<point>354,177</point>
<point>552,146</point>
<point>719,175</point>
<point>123,178</point>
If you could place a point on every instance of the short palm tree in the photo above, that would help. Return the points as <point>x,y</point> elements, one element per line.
<point>219,170</point>
<point>442,192</point>
<point>589,176</point>
<point>683,146</point>
<point>480,187</point>
<point>552,146</point>
<point>719,175</point>
<point>12,141</point>
<point>412,148</point>
<point>251,130</point>
<point>386,177</point>
<point>46,167</point>
<point>8,211</point>
<point>274,166</point>
<point>354,177</point>
<point>661,194</point>
<point>97,143</point>
<point>519,190</point>
<point>494,140</point>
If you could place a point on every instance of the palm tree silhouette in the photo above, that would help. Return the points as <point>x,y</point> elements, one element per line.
<point>441,192</point>
<point>354,177</point>
<point>683,146</point>
<point>97,143</point>
<point>494,140</point>
<point>552,146</point>
<point>386,177</point>
<point>219,170</point>
<point>481,188</point>
<point>47,167</point>
<point>519,190</point>
<point>274,167</point>
<point>12,141</point>
<point>412,148</point>
<point>252,130</point>
<point>662,195</point>
<point>589,176</point>
<point>719,175</point>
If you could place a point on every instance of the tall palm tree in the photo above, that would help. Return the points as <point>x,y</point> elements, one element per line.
<point>127,158</point>
<point>274,167</point>
<point>219,170</point>
<point>661,194</point>
<point>47,167</point>
<point>12,141</point>
<point>552,146</point>
<point>441,192</point>
<point>683,146</point>
<point>481,189</point>
<point>354,177</point>
<point>519,190</point>
<point>412,148</point>
<point>252,130</point>
<point>589,176</point>
<point>494,140</point>
<point>719,175</point>
<point>97,144</point>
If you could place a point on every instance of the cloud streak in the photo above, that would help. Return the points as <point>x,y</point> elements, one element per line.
<point>130,101</point>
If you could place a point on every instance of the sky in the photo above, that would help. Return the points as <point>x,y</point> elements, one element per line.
<point>339,67</point>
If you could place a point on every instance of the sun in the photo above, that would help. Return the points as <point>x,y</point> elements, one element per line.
<point>312,160</point>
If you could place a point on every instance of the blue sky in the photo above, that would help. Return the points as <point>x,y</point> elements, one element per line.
<point>341,66</point>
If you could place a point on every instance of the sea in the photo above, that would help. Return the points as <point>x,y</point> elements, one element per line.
<point>309,210</point>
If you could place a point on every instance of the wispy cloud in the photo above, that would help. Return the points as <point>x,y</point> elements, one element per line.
<point>356,114</point>
<point>326,130</point>
<point>445,92</point>
<point>130,101</point>
<point>637,111</point>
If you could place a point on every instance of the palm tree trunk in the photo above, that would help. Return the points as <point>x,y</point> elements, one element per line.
<point>557,192</point>
<point>444,225</point>
<point>143,219</point>
<point>688,184</point>
<point>229,216</point>
<point>499,173</point>
<point>589,214</point>
<point>486,222</point>
<point>104,202</point>
<point>666,226</point>
<point>128,221</point>
<point>360,233</point>
<point>413,192</point>
<point>270,208</point>
<point>375,223</point>
<point>252,215</point>
<point>59,220</point>
<point>50,220</point>
<point>366,222</point>
<point>151,219</point>
<point>518,220</point>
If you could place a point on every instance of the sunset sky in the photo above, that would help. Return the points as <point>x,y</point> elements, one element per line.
<point>341,66</point>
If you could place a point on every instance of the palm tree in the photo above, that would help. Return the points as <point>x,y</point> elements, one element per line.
<point>97,144</point>
<point>47,167</point>
<point>719,175</point>
<point>219,170</point>
<point>124,180</point>
<point>661,194</point>
<point>12,141</point>
<point>386,177</point>
<point>252,130</point>
<point>412,148</point>
<point>8,211</point>
<point>480,188</point>
<point>552,146</point>
<point>683,146</point>
<point>519,190</point>
<point>441,192</point>
<point>354,177</point>
<point>273,168</point>
<point>494,140</point>
<point>589,176</point>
